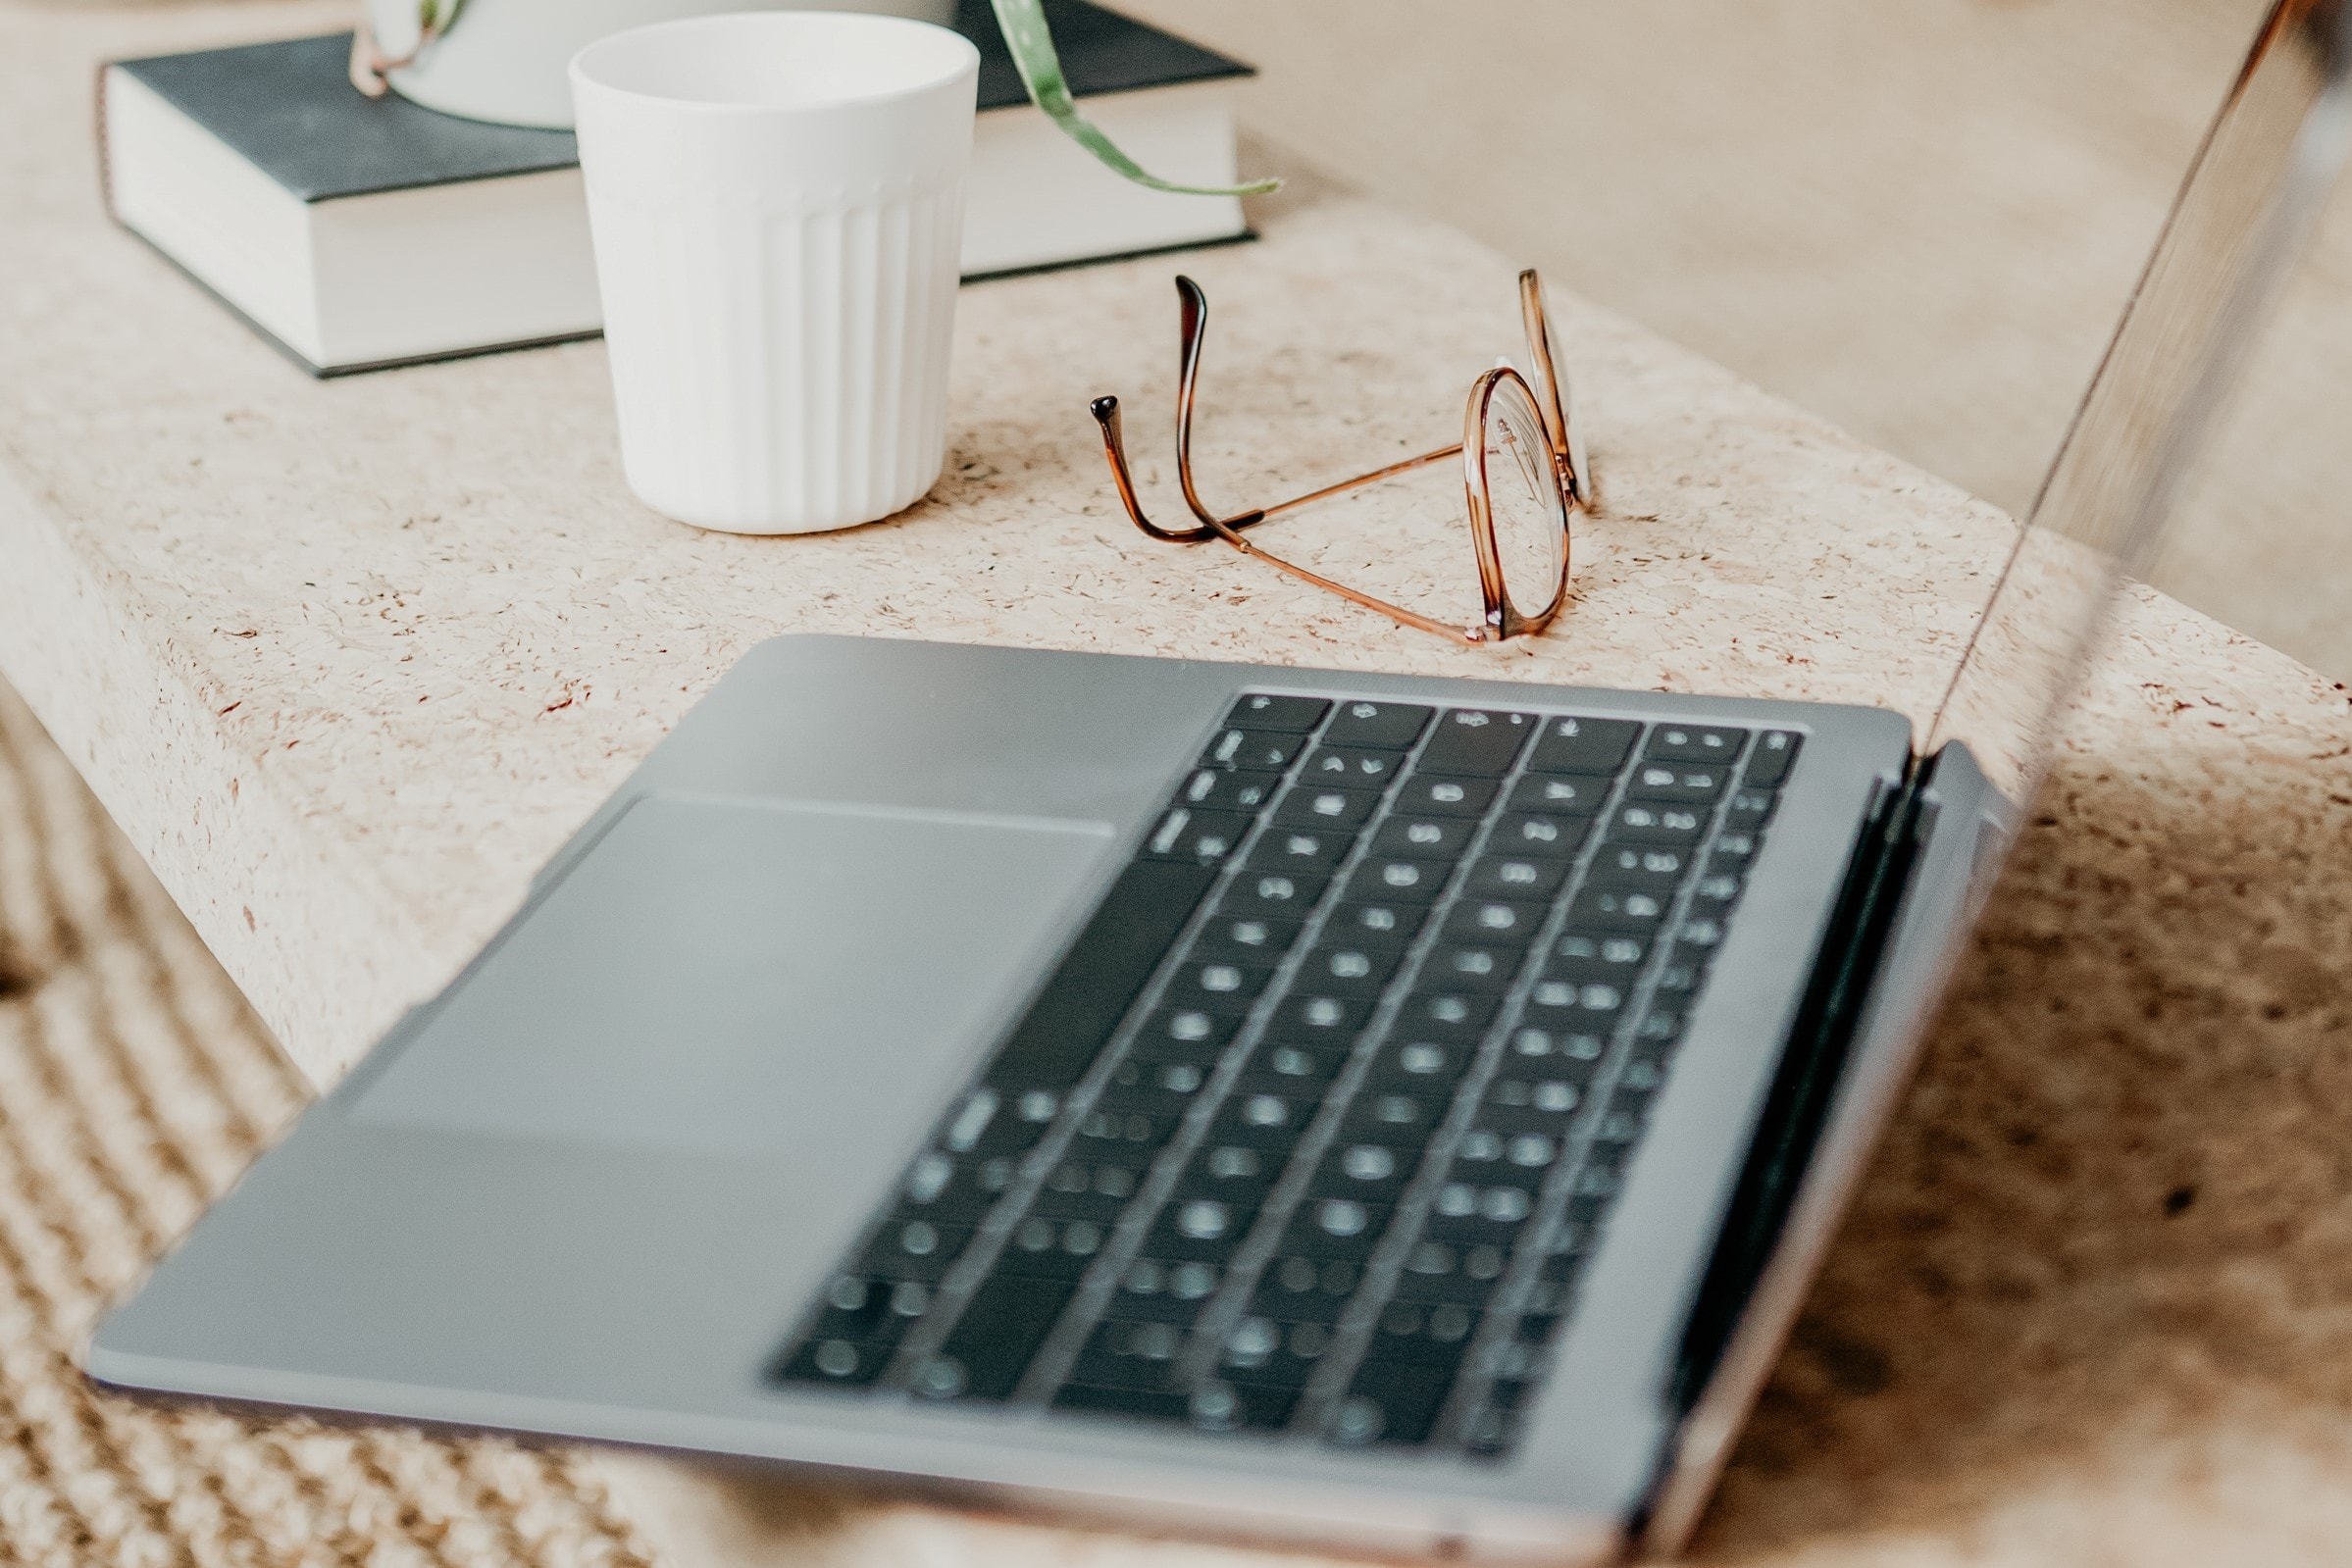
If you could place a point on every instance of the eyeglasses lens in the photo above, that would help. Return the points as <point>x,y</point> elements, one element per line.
<point>1531,520</point>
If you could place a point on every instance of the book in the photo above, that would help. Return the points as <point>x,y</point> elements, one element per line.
<point>359,234</point>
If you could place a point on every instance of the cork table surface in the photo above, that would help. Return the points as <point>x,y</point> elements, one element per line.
<point>348,661</point>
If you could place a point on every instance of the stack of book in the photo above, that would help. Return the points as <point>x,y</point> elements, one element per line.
<point>358,233</point>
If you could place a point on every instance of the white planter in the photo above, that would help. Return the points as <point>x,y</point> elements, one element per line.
<point>504,60</point>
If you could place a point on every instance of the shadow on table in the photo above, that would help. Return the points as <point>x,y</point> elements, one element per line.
<point>2107,1238</point>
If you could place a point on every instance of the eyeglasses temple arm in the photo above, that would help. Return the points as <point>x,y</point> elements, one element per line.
<point>1192,304</point>
<point>1361,480</point>
<point>1115,446</point>
<point>1551,400</point>
<point>1395,612</point>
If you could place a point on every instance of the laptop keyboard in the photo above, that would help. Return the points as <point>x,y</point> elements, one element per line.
<point>1315,1125</point>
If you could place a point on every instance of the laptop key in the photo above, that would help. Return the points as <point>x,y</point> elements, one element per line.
<point>999,1123</point>
<point>1326,807</point>
<point>1470,966</point>
<point>1202,1229</point>
<point>1452,1015</point>
<point>1774,754</point>
<point>1244,939</point>
<point>1228,789</point>
<point>1097,981</point>
<point>1349,768</point>
<point>1427,1333</point>
<point>1350,969</point>
<point>1238,1175</point>
<point>1413,1065</point>
<point>1000,1332</point>
<point>1263,1408</point>
<point>1125,1353</point>
<point>915,1249</point>
<point>1282,850</point>
<point>1217,987</point>
<point>1696,742</point>
<point>1468,1213</point>
<point>1273,1353</point>
<point>1147,1086</point>
<point>1184,1035</point>
<point>1376,921</point>
<point>1542,834</point>
<point>1651,823</point>
<point>1262,1121</point>
<point>1589,746</point>
<point>1369,1173</point>
<point>1394,1401</point>
<point>1335,1228</point>
<point>1297,1289</point>
<point>1396,1116</point>
<point>1630,909</point>
<point>1520,876</point>
<point>1143,1404</point>
<point>956,1191</point>
<point>870,1310</point>
<point>1586,953</point>
<point>1424,837</point>
<point>1163,1290</point>
<point>1750,808</point>
<point>1494,921</point>
<point>1477,743</point>
<point>1323,1013</point>
<point>1087,1190</point>
<point>1255,750</point>
<point>1436,1272</point>
<point>1734,848</point>
<point>1716,893</point>
<point>1104,1134</point>
<point>1377,726</point>
<point>1385,880</point>
<point>1558,795</point>
<point>1653,865</point>
<point>1284,894</point>
<point>1046,1248</point>
<point>1203,838</point>
<point>1691,783</point>
<point>843,1363</point>
<point>1422,794</point>
<point>1257,710</point>
<point>1293,1071</point>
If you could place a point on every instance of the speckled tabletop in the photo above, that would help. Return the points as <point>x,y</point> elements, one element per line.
<point>348,661</point>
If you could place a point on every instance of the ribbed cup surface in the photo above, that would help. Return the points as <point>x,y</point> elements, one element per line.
<point>777,202</point>
<point>780,370</point>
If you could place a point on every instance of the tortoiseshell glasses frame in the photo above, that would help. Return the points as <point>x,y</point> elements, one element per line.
<point>1556,473</point>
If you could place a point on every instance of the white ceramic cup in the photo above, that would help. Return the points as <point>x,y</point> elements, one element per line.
<point>777,202</point>
<point>504,60</point>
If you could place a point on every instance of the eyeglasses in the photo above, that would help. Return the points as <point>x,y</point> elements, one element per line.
<point>1523,480</point>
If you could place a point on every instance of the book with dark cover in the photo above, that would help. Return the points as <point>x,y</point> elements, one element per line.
<point>286,109</point>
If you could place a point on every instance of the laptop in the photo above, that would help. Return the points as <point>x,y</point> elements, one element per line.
<point>1389,1113</point>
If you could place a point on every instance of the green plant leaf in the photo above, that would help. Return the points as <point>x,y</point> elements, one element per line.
<point>1032,43</point>
<point>433,16</point>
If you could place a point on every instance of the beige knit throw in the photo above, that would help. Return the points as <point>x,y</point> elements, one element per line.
<point>134,1087</point>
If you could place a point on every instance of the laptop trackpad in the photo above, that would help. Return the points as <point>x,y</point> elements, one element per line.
<point>713,972</point>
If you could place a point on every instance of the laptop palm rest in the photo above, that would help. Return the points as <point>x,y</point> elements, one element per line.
<point>712,970</point>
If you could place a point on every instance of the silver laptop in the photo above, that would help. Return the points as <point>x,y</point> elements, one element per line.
<point>1376,1111</point>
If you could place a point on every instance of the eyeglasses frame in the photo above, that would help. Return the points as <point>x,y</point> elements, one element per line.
<point>1544,389</point>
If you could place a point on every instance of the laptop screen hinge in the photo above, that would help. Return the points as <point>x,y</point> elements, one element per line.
<point>1804,1084</point>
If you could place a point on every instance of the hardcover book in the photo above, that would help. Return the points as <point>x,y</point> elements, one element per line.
<point>358,233</point>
